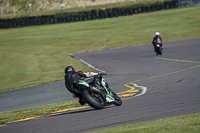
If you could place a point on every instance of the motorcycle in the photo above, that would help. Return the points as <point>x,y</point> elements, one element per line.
<point>158,48</point>
<point>97,98</point>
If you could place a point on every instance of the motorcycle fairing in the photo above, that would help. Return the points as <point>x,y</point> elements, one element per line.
<point>103,82</point>
<point>109,98</point>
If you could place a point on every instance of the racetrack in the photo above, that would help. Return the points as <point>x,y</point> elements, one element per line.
<point>172,82</point>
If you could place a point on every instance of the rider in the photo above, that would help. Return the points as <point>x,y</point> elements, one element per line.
<point>156,39</point>
<point>72,77</point>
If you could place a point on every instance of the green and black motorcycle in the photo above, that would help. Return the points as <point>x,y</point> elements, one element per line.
<point>97,98</point>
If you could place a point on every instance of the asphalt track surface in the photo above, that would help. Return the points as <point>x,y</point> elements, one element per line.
<point>172,82</point>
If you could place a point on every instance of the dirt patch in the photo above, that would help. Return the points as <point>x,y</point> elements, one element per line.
<point>38,5</point>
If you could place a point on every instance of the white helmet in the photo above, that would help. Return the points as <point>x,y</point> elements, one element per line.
<point>157,33</point>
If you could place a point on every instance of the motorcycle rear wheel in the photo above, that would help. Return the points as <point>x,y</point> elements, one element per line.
<point>160,51</point>
<point>97,103</point>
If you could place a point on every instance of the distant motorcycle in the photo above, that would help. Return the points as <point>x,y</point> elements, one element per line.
<point>97,98</point>
<point>158,47</point>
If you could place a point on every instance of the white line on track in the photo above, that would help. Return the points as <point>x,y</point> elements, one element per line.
<point>144,90</point>
<point>86,63</point>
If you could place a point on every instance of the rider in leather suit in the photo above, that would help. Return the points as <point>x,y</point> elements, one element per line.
<point>156,39</point>
<point>72,76</point>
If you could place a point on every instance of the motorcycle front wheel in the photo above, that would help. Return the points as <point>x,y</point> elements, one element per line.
<point>93,101</point>
<point>118,101</point>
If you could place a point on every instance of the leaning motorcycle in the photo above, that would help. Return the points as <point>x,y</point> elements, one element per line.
<point>97,98</point>
<point>158,47</point>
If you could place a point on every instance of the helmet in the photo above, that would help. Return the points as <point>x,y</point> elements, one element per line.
<point>157,33</point>
<point>69,69</point>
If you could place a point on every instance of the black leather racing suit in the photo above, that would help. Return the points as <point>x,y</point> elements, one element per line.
<point>155,40</point>
<point>72,77</point>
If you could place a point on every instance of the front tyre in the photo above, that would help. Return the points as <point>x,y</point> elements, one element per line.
<point>118,101</point>
<point>95,102</point>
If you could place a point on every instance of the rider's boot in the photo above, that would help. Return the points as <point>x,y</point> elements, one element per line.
<point>74,96</point>
<point>82,101</point>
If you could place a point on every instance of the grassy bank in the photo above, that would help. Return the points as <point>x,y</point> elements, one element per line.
<point>39,54</point>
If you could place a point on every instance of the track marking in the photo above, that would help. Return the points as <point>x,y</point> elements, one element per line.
<point>171,72</point>
<point>46,115</point>
<point>145,88</point>
<point>177,60</point>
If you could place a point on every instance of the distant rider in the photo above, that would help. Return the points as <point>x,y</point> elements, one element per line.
<point>156,39</point>
<point>72,77</point>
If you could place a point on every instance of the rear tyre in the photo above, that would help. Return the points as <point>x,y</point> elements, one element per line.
<point>160,51</point>
<point>95,102</point>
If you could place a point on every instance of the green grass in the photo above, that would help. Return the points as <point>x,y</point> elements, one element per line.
<point>39,54</point>
<point>180,124</point>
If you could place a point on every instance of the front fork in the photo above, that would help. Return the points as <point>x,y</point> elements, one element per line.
<point>108,91</point>
<point>109,96</point>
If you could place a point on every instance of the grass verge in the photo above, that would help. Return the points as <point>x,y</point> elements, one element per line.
<point>179,124</point>
<point>10,116</point>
